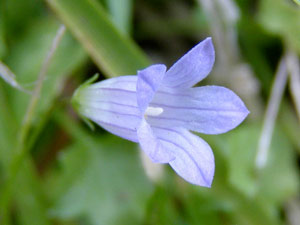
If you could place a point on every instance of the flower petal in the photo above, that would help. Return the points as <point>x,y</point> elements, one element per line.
<point>152,146</point>
<point>112,105</point>
<point>192,67</point>
<point>207,109</point>
<point>194,160</point>
<point>148,82</point>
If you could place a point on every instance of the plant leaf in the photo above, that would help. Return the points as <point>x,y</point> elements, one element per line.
<point>282,19</point>
<point>277,181</point>
<point>120,12</point>
<point>113,52</point>
<point>100,179</point>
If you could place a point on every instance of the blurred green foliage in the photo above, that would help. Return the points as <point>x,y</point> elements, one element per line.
<point>74,176</point>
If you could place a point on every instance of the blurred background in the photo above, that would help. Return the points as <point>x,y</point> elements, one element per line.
<point>55,170</point>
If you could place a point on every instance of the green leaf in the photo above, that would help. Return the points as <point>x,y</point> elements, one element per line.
<point>223,204</point>
<point>100,179</point>
<point>283,19</point>
<point>26,58</point>
<point>8,126</point>
<point>113,52</point>
<point>242,144</point>
<point>2,31</point>
<point>162,207</point>
<point>120,12</point>
<point>277,181</point>
<point>109,185</point>
<point>19,15</point>
<point>297,2</point>
<point>31,204</point>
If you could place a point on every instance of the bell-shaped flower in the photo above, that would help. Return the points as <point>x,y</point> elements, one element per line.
<point>158,108</point>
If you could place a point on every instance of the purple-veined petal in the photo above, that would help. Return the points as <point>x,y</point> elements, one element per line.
<point>151,145</point>
<point>148,82</point>
<point>207,109</point>
<point>112,104</point>
<point>192,67</point>
<point>194,160</point>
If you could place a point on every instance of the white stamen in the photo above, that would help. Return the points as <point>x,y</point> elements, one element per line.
<point>153,111</point>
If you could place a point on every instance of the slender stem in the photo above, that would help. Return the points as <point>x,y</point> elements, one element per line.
<point>294,72</point>
<point>271,114</point>
<point>36,93</point>
<point>21,148</point>
<point>222,24</point>
<point>216,28</point>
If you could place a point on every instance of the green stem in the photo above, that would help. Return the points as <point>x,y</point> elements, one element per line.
<point>293,67</point>
<point>271,113</point>
<point>21,149</point>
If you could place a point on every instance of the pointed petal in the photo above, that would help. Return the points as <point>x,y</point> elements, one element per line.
<point>152,146</point>
<point>148,82</point>
<point>112,105</point>
<point>207,109</point>
<point>194,160</point>
<point>192,67</point>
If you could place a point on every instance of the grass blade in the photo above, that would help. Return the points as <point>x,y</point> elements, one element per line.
<point>113,52</point>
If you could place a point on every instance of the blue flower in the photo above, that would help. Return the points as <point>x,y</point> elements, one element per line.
<point>158,107</point>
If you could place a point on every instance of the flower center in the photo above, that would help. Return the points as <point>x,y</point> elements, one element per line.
<point>153,111</point>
